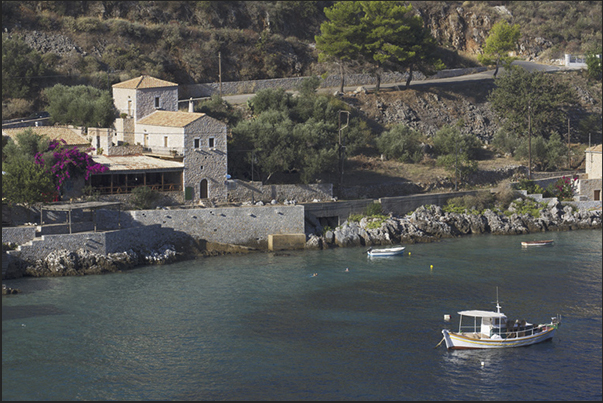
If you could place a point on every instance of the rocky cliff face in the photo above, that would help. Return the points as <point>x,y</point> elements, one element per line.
<point>428,109</point>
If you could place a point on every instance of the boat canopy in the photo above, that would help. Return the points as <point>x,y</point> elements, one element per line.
<point>483,314</point>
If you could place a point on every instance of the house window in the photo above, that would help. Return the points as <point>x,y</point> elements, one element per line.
<point>597,195</point>
<point>165,141</point>
<point>156,102</point>
<point>211,142</point>
<point>196,143</point>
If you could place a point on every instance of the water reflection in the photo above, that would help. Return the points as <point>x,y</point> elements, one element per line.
<point>29,311</point>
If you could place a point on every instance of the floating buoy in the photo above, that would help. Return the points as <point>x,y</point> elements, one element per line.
<point>431,267</point>
<point>408,253</point>
<point>483,363</point>
<point>447,318</point>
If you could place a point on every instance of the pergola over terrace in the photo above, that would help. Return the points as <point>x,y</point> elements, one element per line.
<point>69,207</point>
<point>128,172</point>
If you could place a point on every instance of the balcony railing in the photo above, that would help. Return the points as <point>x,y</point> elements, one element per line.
<point>167,151</point>
<point>122,189</point>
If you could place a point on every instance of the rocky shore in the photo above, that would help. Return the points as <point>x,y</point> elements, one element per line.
<point>431,223</point>
<point>83,262</point>
<point>425,224</point>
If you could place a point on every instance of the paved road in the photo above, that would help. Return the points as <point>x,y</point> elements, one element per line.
<point>485,75</point>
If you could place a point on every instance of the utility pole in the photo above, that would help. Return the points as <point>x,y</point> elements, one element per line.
<point>456,168</point>
<point>342,147</point>
<point>569,146</point>
<point>220,70</point>
<point>529,141</point>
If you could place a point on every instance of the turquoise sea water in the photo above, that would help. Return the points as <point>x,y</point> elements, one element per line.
<point>260,327</point>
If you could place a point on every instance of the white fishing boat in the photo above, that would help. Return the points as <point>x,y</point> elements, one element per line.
<point>385,251</point>
<point>488,329</point>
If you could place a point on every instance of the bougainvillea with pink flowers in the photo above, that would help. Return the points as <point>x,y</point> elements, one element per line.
<point>68,162</point>
<point>564,188</point>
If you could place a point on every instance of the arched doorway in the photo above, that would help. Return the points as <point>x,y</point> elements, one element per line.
<point>203,189</point>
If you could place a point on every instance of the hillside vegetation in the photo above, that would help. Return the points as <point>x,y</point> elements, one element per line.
<point>102,42</point>
<point>99,43</point>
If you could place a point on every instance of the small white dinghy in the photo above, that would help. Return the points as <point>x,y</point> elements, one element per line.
<point>487,329</point>
<point>537,243</point>
<point>385,251</point>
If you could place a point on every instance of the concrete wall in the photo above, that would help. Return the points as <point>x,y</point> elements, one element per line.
<point>286,242</point>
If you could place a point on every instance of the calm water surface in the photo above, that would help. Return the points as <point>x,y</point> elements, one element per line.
<point>260,327</point>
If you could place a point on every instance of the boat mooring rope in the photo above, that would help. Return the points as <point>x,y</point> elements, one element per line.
<point>440,342</point>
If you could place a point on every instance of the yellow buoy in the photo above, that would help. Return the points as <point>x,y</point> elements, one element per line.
<point>408,253</point>
<point>431,267</point>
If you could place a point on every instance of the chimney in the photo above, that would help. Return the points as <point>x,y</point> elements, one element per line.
<point>190,105</point>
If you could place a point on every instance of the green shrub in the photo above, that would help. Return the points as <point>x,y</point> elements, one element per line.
<point>474,204</point>
<point>374,209</point>
<point>527,206</point>
<point>401,143</point>
<point>529,186</point>
<point>143,197</point>
<point>355,217</point>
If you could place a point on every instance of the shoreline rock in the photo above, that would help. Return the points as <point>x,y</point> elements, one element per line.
<point>431,223</point>
<point>82,262</point>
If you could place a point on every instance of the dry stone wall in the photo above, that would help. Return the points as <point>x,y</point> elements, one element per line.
<point>332,81</point>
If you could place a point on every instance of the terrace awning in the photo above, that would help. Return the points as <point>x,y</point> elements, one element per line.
<point>69,207</point>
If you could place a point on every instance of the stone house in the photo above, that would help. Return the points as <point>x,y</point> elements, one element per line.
<point>192,146</point>
<point>589,186</point>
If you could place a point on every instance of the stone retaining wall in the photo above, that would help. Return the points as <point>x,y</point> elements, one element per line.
<point>291,84</point>
<point>249,226</point>
<point>242,191</point>
<point>137,238</point>
<point>18,235</point>
<point>405,204</point>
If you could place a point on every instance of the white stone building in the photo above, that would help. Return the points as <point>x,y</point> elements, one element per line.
<point>151,127</point>
<point>589,187</point>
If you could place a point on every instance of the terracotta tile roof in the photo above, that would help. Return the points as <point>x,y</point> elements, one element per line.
<point>170,118</point>
<point>136,163</point>
<point>144,82</point>
<point>597,148</point>
<point>53,133</point>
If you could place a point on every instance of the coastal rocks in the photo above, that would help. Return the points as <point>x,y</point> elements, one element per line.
<point>82,262</point>
<point>165,254</point>
<point>430,223</point>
